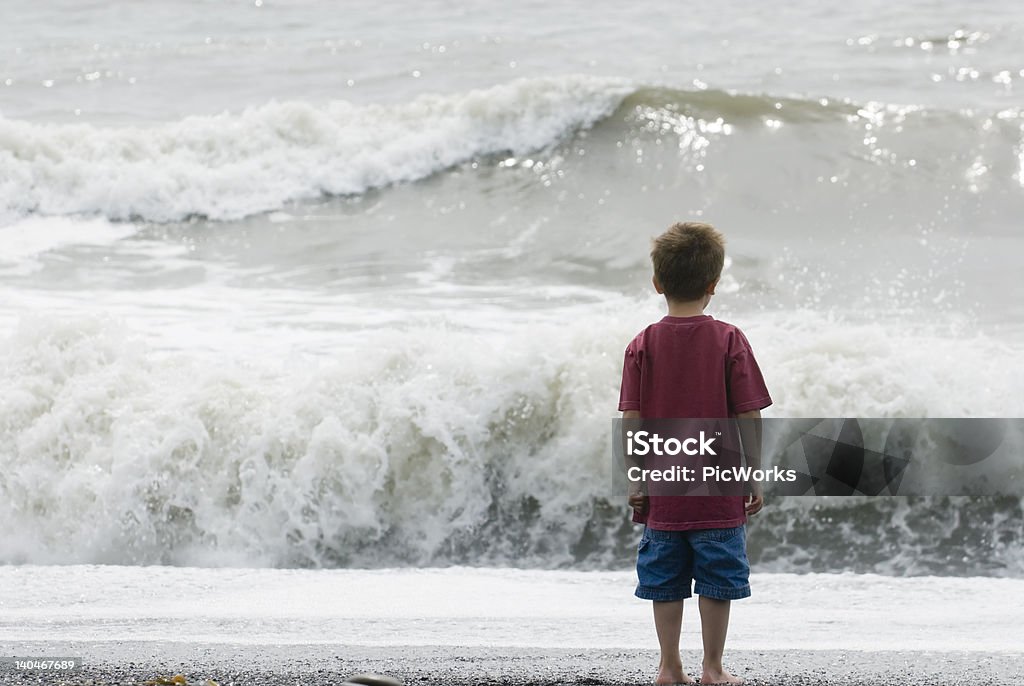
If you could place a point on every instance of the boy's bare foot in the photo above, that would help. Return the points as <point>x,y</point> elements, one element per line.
<point>672,675</point>
<point>718,676</point>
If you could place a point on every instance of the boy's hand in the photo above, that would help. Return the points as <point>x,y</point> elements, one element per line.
<point>638,500</point>
<point>752,504</point>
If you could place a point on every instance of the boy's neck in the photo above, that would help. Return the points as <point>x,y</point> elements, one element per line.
<point>687,308</point>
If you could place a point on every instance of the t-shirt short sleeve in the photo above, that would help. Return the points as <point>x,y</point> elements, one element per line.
<point>629,391</point>
<point>747,390</point>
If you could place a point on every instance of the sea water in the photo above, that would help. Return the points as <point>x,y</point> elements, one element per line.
<point>506,608</point>
<point>290,284</point>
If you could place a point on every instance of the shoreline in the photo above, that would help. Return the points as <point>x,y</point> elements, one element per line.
<point>135,662</point>
<point>487,607</point>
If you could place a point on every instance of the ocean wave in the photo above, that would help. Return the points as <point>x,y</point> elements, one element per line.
<point>443,447</point>
<point>232,165</point>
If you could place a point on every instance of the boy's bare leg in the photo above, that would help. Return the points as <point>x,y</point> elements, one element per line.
<point>668,622</point>
<point>714,625</point>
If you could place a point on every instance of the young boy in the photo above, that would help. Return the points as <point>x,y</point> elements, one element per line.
<point>688,365</point>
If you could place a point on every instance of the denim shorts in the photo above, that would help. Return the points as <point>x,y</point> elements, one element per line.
<point>715,559</point>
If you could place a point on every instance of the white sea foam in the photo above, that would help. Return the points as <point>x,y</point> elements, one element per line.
<point>419,444</point>
<point>232,165</point>
<point>31,236</point>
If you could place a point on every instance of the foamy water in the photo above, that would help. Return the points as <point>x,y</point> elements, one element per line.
<point>230,166</point>
<point>283,288</point>
<point>419,443</point>
<point>491,607</point>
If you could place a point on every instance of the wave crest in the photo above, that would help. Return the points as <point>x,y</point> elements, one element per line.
<point>228,166</point>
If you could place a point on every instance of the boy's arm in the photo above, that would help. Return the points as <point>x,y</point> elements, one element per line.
<point>750,434</point>
<point>637,497</point>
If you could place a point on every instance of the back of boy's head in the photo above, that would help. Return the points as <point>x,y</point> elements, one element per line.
<point>687,259</point>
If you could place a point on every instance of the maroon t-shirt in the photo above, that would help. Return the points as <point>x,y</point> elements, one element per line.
<point>691,368</point>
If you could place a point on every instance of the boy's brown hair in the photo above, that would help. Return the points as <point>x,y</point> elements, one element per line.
<point>687,259</point>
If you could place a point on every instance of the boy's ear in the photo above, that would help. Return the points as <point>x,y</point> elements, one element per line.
<point>711,287</point>
<point>657,285</point>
